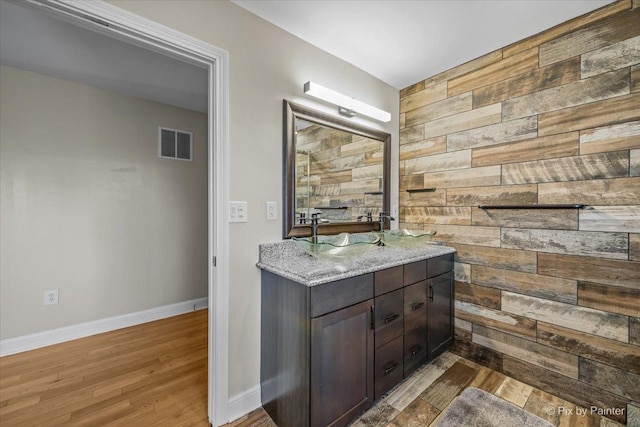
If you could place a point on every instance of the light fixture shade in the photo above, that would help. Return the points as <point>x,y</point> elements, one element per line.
<point>326,94</point>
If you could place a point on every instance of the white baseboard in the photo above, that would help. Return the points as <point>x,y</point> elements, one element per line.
<point>243,403</point>
<point>42,339</point>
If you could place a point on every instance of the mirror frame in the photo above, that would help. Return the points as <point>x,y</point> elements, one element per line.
<point>291,111</point>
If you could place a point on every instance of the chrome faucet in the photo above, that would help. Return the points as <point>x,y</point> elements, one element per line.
<point>369,217</point>
<point>381,219</point>
<point>314,226</point>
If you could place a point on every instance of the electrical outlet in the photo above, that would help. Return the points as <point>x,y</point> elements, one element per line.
<point>238,212</point>
<point>51,297</point>
<point>272,211</point>
<point>394,211</point>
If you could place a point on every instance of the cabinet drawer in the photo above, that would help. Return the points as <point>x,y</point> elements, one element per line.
<point>415,349</point>
<point>341,293</point>
<point>388,367</point>
<point>415,272</point>
<point>389,317</point>
<point>440,265</point>
<point>388,280</point>
<point>415,305</point>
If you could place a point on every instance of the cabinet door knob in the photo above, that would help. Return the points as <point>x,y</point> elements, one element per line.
<point>390,367</point>
<point>390,318</point>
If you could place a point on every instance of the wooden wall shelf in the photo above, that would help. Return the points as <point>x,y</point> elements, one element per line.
<point>568,206</point>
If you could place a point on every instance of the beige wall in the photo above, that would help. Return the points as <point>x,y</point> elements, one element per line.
<point>266,65</point>
<point>549,297</point>
<point>89,208</point>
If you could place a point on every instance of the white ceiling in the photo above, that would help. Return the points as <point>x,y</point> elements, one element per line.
<point>402,42</point>
<point>34,41</point>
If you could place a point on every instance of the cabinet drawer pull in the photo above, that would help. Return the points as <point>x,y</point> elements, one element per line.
<point>390,367</point>
<point>431,291</point>
<point>416,305</point>
<point>390,318</point>
<point>372,321</point>
<point>416,349</point>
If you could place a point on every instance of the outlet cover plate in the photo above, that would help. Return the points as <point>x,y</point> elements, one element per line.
<point>272,211</point>
<point>51,297</point>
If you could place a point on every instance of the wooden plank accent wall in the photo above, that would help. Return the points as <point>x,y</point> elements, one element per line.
<point>550,297</point>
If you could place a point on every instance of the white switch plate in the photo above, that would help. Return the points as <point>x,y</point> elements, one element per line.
<point>238,212</point>
<point>51,297</point>
<point>394,211</point>
<point>272,211</point>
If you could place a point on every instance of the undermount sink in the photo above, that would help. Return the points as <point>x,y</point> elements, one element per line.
<point>339,245</point>
<point>406,238</point>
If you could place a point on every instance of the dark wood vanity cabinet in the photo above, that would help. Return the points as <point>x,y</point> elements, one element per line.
<point>329,351</point>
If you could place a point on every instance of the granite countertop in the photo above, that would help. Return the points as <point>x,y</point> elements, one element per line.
<point>288,260</point>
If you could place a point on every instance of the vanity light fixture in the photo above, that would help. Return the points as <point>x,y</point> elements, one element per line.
<point>346,106</point>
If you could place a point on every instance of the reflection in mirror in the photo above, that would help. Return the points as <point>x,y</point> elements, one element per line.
<point>337,173</point>
<point>335,168</point>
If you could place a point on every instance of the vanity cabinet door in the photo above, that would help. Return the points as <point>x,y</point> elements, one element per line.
<point>341,365</point>
<point>439,314</point>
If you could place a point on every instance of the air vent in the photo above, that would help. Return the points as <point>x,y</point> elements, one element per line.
<point>175,144</point>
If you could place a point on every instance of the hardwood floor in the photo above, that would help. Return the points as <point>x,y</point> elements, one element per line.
<point>420,399</point>
<point>150,374</point>
<point>156,375</point>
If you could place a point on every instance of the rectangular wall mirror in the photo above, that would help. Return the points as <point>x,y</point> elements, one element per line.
<point>335,168</point>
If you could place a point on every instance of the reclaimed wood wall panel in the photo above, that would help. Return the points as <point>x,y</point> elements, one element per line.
<point>634,331</point>
<point>423,147</point>
<point>484,116</point>
<point>479,295</point>
<point>560,128</point>
<point>516,64</point>
<point>635,78</point>
<point>634,247</point>
<point>503,195</point>
<point>532,81</point>
<point>612,57</point>
<point>613,299</point>
<point>548,147</point>
<point>584,243</point>
<point>600,87</point>
<point>616,353</point>
<point>634,163</point>
<point>438,162</point>
<point>591,115</point>
<point>622,136</point>
<point>605,33</point>
<point>620,191</point>
<point>438,215</point>
<point>614,380</point>
<point>479,315</point>
<point>437,110</point>
<point>591,269</point>
<point>553,288</point>
<point>424,96</point>
<point>546,357</point>
<point>554,219</point>
<point>578,168</point>
<point>514,130</point>
<point>481,176</point>
<point>578,392</point>
<point>596,322</point>
<point>510,259</point>
<point>567,27</point>
<point>624,219</point>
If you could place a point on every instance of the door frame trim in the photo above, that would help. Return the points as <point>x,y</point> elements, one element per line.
<point>124,25</point>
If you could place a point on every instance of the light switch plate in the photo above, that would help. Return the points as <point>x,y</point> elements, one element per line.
<point>272,211</point>
<point>238,212</point>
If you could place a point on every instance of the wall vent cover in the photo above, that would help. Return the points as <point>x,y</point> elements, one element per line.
<point>175,144</point>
